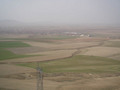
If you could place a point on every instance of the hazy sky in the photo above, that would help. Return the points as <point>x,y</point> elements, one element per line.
<point>62,11</point>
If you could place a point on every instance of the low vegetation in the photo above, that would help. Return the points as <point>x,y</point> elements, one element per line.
<point>6,54</point>
<point>79,63</point>
<point>112,44</point>
<point>12,44</point>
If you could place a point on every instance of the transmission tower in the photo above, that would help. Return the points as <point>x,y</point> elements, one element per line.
<point>39,78</point>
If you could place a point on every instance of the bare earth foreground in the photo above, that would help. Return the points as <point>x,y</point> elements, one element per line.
<point>13,77</point>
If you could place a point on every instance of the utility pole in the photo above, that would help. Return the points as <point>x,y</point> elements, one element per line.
<point>39,78</point>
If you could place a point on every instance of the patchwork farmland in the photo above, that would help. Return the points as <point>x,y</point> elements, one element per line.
<point>68,62</point>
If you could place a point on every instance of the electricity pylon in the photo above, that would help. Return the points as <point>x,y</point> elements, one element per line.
<point>39,78</point>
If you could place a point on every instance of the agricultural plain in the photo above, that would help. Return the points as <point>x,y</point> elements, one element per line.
<point>68,61</point>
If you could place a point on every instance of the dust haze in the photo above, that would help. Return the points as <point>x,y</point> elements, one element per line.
<point>75,42</point>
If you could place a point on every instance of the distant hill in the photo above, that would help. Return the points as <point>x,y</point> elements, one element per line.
<point>6,23</point>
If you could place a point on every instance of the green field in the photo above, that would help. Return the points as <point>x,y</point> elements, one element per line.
<point>10,44</point>
<point>6,54</point>
<point>79,63</point>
